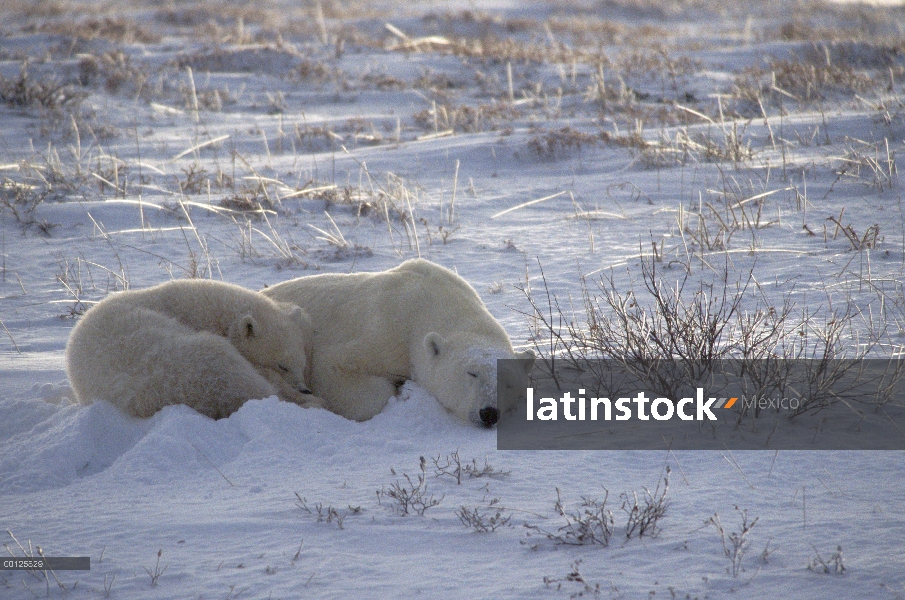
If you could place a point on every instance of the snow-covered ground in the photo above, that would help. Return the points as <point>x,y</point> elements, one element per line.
<point>145,142</point>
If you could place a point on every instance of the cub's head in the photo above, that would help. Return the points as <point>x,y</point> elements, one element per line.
<point>276,339</point>
<point>463,376</point>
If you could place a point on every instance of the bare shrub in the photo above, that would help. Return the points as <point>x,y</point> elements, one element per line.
<point>326,514</point>
<point>834,565</point>
<point>411,496</point>
<point>591,524</point>
<point>108,585</point>
<point>35,552</point>
<point>669,339</point>
<point>668,324</point>
<point>453,466</point>
<point>735,543</point>
<point>28,551</point>
<point>574,576</point>
<point>21,200</point>
<point>484,521</point>
<point>442,233</point>
<point>642,515</point>
<point>156,572</point>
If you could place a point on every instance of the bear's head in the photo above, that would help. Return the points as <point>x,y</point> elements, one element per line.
<point>462,375</point>
<point>274,340</point>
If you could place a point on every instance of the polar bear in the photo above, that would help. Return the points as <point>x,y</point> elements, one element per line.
<point>207,344</point>
<point>418,321</point>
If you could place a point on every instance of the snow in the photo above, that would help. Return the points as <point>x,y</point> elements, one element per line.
<point>298,99</point>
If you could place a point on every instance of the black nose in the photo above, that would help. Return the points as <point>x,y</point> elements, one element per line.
<point>305,391</point>
<point>489,416</point>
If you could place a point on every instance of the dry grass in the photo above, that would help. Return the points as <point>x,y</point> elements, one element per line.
<point>566,140</point>
<point>574,80</point>
<point>20,201</point>
<point>269,58</point>
<point>197,179</point>
<point>873,165</point>
<point>46,92</point>
<point>317,138</point>
<point>314,71</point>
<point>118,74</point>
<point>590,30</point>
<point>41,10</point>
<point>229,23</point>
<point>831,22</point>
<point>717,144</point>
<point>465,119</point>
<point>727,143</point>
<point>252,199</point>
<point>823,73</point>
<point>114,29</point>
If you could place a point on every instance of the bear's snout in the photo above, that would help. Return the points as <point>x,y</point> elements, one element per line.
<point>489,416</point>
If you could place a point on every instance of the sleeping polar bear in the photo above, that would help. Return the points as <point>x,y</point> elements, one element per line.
<point>418,321</point>
<point>207,344</point>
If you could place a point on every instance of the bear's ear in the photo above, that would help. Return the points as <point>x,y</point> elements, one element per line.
<point>527,357</point>
<point>244,328</point>
<point>434,343</point>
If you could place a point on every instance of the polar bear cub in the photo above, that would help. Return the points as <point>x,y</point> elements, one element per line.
<point>207,344</point>
<point>418,321</point>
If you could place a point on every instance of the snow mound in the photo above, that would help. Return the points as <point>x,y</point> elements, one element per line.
<point>59,443</point>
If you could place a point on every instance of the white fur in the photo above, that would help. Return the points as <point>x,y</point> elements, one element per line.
<point>419,321</point>
<point>207,344</point>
